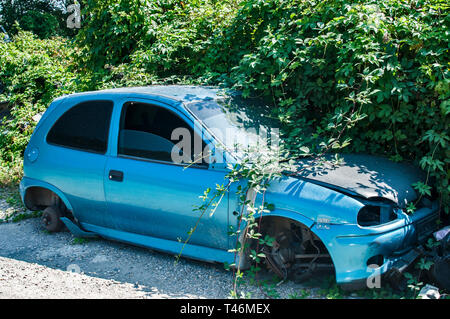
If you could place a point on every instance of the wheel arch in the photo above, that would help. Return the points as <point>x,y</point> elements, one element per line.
<point>297,217</point>
<point>243,258</point>
<point>35,196</point>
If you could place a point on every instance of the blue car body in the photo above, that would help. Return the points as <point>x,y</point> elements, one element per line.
<point>151,202</point>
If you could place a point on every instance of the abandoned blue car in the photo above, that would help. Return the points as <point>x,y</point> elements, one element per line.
<point>109,164</point>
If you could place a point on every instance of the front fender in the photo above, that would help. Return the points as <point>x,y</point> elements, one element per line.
<point>289,215</point>
<point>315,202</point>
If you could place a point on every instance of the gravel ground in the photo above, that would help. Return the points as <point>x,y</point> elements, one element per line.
<point>36,264</point>
<point>6,209</point>
<point>21,279</point>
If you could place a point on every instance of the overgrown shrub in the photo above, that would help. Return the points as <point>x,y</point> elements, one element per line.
<point>321,61</point>
<point>43,24</point>
<point>382,65</point>
<point>33,72</point>
<point>42,17</point>
<point>386,59</point>
<point>111,31</point>
<point>163,37</point>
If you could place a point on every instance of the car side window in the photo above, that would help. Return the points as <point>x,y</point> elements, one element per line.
<point>146,131</point>
<point>85,126</point>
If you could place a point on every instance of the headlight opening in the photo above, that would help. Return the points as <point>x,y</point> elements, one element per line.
<point>373,215</point>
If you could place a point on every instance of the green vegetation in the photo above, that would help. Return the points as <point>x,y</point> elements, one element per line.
<point>42,17</point>
<point>12,208</point>
<point>26,215</point>
<point>348,76</point>
<point>80,241</point>
<point>33,72</point>
<point>381,66</point>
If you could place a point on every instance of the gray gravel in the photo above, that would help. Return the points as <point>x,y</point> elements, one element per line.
<point>6,210</point>
<point>36,264</point>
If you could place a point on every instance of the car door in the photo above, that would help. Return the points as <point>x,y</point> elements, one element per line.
<point>73,159</point>
<point>150,194</point>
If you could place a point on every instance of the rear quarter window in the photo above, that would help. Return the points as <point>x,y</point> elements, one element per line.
<point>85,127</point>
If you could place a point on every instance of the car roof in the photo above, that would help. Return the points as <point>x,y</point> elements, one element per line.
<point>181,93</point>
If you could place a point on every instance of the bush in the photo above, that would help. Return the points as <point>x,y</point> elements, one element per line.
<point>111,31</point>
<point>162,37</point>
<point>42,17</point>
<point>33,72</point>
<point>380,65</point>
<point>385,62</point>
<point>44,25</point>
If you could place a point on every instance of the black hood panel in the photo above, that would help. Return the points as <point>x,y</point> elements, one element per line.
<point>366,176</point>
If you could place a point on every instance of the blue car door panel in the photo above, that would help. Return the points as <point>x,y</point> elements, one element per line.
<point>148,194</point>
<point>74,155</point>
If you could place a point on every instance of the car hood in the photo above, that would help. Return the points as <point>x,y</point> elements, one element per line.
<point>365,176</point>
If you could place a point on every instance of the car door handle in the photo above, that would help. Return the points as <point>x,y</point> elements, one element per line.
<point>116,175</point>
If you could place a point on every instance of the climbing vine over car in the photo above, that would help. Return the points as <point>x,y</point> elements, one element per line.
<point>259,166</point>
<point>392,55</point>
<point>380,66</point>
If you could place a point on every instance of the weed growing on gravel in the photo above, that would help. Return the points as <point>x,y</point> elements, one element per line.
<point>14,200</point>
<point>301,294</point>
<point>25,215</point>
<point>79,241</point>
<point>11,197</point>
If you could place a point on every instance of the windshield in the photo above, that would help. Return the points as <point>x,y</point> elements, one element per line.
<point>238,122</point>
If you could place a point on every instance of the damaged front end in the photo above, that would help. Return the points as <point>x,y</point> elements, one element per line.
<point>385,241</point>
<point>385,236</point>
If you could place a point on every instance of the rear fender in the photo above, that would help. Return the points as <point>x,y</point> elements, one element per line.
<point>28,183</point>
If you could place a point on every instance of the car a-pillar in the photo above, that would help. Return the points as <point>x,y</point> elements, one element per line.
<point>52,207</point>
<point>295,252</point>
